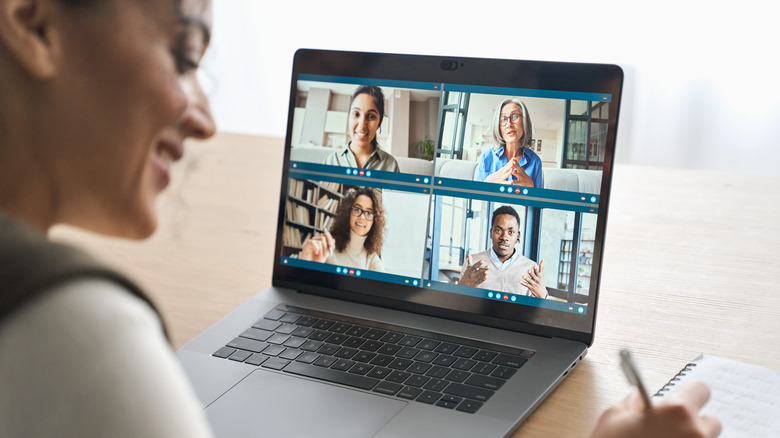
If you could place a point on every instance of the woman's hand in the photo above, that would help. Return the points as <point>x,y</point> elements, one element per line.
<point>677,416</point>
<point>511,169</point>
<point>318,249</point>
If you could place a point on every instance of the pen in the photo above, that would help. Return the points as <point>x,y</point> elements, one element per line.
<point>629,367</point>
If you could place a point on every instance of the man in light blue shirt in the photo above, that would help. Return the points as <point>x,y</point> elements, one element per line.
<point>501,267</point>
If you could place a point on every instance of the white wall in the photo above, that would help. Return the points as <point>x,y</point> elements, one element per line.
<point>701,88</point>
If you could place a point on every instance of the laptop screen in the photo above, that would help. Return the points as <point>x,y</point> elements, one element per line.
<point>469,188</point>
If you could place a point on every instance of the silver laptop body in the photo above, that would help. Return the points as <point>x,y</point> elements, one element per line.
<point>405,349</point>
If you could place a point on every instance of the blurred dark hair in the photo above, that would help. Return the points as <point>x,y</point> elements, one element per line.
<point>340,228</point>
<point>504,209</point>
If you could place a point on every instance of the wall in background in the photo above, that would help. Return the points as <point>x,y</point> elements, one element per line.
<point>701,89</point>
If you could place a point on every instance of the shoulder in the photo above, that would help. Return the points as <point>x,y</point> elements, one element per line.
<point>531,156</point>
<point>386,161</point>
<point>106,341</point>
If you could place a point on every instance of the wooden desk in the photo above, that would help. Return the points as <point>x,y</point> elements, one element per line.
<point>692,265</point>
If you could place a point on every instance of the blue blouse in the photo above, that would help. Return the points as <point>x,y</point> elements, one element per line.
<point>493,159</point>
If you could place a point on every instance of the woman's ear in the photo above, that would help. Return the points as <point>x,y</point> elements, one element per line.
<point>27,35</point>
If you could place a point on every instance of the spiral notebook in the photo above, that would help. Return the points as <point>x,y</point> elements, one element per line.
<point>745,397</point>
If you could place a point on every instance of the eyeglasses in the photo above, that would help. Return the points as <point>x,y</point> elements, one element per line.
<point>357,212</point>
<point>512,118</point>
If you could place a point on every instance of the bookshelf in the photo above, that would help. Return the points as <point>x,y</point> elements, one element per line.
<point>309,210</point>
<point>582,264</point>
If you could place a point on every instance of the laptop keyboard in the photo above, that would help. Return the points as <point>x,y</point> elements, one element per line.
<point>449,372</point>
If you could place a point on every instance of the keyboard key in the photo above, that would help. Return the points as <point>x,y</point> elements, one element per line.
<point>346,353</point>
<point>391,337</point>
<point>240,355</point>
<point>256,359</point>
<point>449,401</point>
<point>485,381</point>
<point>247,344</point>
<point>311,345</point>
<point>388,388</point>
<point>444,360</point>
<point>307,357</point>
<point>291,354</point>
<point>436,385</point>
<point>360,368</point>
<point>336,338</point>
<point>504,372</point>
<point>364,356</point>
<point>274,314</point>
<point>323,324</point>
<point>354,342</point>
<point>419,368</point>
<point>379,372</point>
<point>382,360</point>
<point>374,334</point>
<point>256,334</point>
<point>464,351</point>
<point>485,355</point>
<point>399,363</point>
<point>324,361</point>
<point>273,350</point>
<point>425,356</point>
<point>470,406</point>
<point>457,376</point>
<point>306,321</point>
<point>410,393</point>
<point>410,341</point>
<point>328,349</point>
<point>290,317</point>
<point>357,331</point>
<point>303,332</point>
<point>389,349</point>
<point>278,339</point>
<point>446,348</point>
<point>417,381</point>
<point>397,376</point>
<point>319,335</point>
<point>472,392</point>
<point>437,372</point>
<point>340,327</point>
<point>428,344</point>
<point>342,364</point>
<point>372,345</point>
<point>429,397</point>
<point>509,360</point>
<point>464,364</point>
<point>294,342</point>
<point>286,328</point>
<point>275,363</point>
<point>483,368</point>
<point>407,352</point>
<point>329,375</point>
<point>224,352</point>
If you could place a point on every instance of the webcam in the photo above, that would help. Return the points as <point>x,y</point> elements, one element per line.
<point>449,64</point>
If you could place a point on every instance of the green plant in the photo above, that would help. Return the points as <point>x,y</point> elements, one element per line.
<point>425,148</point>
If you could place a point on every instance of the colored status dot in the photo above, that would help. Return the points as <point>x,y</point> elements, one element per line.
<point>581,310</point>
<point>501,189</point>
<point>592,199</point>
<point>506,297</point>
<point>349,171</point>
<point>351,272</point>
<point>368,173</point>
<point>357,273</point>
<point>517,191</point>
<point>355,172</point>
<point>426,180</point>
<point>514,298</point>
<point>415,282</point>
<point>525,191</point>
<point>362,173</point>
<point>338,270</point>
<point>490,294</point>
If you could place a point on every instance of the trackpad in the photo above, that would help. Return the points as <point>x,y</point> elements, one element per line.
<point>275,405</point>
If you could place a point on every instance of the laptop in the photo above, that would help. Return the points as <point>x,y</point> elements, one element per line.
<point>398,306</point>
